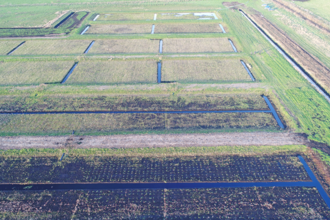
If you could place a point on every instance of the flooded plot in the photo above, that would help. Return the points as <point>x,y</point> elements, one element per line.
<point>103,72</point>
<point>190,16</point>
<point>224,70</point>
<point>53,47</point>
<point>49,123</point>
<point>126,17</point>
<point>132,103</point>
<point>16,73</point>
<point>125,46</point>
<point>246,203</point>
<point>196,45</point>
<point>151,169</point>
<point>120,29</point>
<point>187,28</point>
<point>7,46</point>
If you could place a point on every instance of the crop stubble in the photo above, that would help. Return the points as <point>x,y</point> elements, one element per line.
<point>125,46</point>
<point>120,29</point>
<point>187,28</point>
<point>195,45</point>
<point>7,46</point>
<point>125,16</point>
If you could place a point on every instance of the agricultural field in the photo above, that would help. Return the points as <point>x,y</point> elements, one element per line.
<point>22,73</point>
<point>212,70</point>
<point>126,17</point>
<point>53,47</point>
<point>196,45</point>
<point>7,46</point>
<point>187,28</point>
<point>125,46</point>
<point>120,29</point>
<point>164,110</point>
<point>105,72</point>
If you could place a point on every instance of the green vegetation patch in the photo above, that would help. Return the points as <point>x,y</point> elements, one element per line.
<point>125,46</point>
<point>18,73</point>
<point>65,123</point>
<point>132,103</point>
<point>211,70</point>
<point>105,72</point>
<point>54,47</point>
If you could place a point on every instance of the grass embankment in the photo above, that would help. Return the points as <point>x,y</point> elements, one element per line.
<point>204,70</point>
<point>105,72</point>
<point>52,47</point>
<point>305,106</point>
<point>20,73</point>
<point>196,45</point>
<point>125,46</point>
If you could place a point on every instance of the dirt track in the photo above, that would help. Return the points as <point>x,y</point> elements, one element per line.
<point>170,140</point>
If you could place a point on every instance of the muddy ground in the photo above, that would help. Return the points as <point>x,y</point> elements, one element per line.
<point>166,140</point>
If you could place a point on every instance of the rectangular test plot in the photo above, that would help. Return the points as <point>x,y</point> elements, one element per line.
<point>125,46</point>
<point>120,29</point>
<point>224,70</point>
<point>52,47</point>
<point>187,28</point>
<point>125,16</point>
<point>187,16</point>
<point>196,45</point>
<point>7,46</point>
<point>16,73</point>
<point>103,72</point>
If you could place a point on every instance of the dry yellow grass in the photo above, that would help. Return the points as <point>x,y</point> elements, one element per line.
<point>53,47</point>
<point>120,29</point>
<point>125,46</point>
<point>195,45</point>
<point>7,46</point>
<point>102,72</point>
<point>187,28</point>
<point>125,16</point>
<point>14,73</point>
<point>204,70</point>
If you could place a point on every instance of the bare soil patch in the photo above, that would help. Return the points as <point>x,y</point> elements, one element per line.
<point>166,140</point>
<point>195,45</point>
<point>120,29</point>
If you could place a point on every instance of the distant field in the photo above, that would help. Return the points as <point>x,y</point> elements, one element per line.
<point>7,46</point>
<point>15,73</point>
<point>129,122</point>
<point>195,45</point>
<point>102,72</point>
<point>125,46</point>
<point>125,16</point>
<point>204,70</point>
<point>187,28</point>
<point>120,29</point>
<point>53,47</point>
<point>183,16</point>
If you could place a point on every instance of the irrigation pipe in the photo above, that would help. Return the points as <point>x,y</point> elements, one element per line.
<point>289,59</point>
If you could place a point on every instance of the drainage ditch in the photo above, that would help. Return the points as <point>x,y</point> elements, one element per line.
<point>159,72</point>
<point>89,47</point>
<point>232,45</point>
<point>223,30</point>
<point>248,70</point>
<point>69,73</point>
<point>10,52</point>
<point>161,46</point>
<point>289,59</point>
<point>155,17</point>
<point>82,33</point>
<point>153,29</point>
<point>272,109</point>
<point>64,20</point>
<point>96,17</point>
